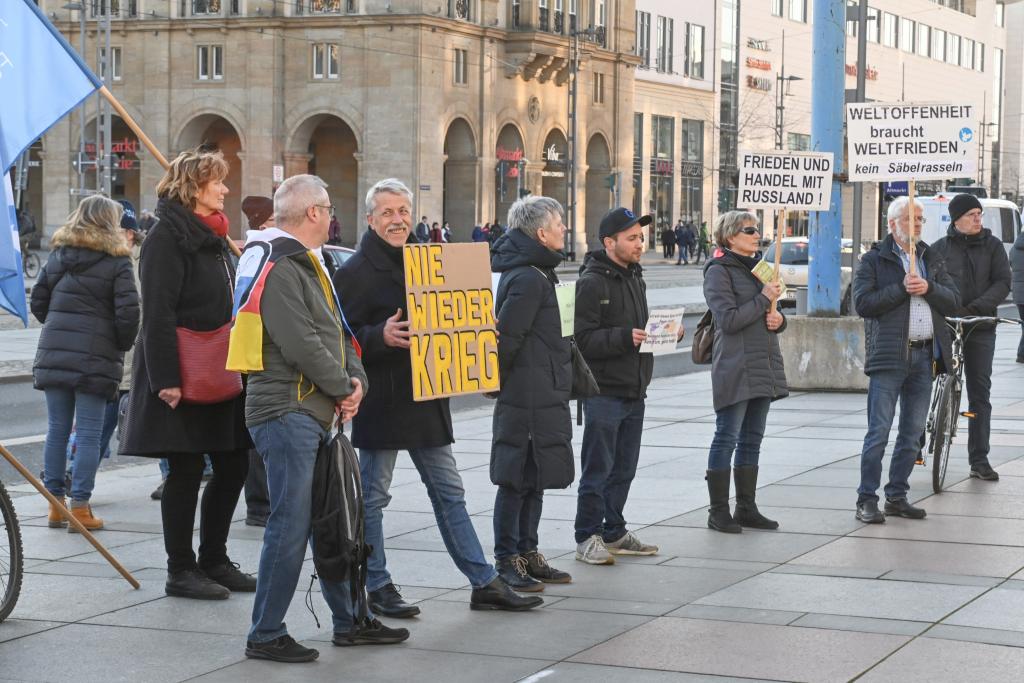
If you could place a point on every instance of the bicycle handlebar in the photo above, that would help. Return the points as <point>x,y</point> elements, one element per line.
<point>970,320</point>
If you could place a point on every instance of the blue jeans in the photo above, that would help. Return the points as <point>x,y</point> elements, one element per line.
<point>438,471</point>
<point>611,449</point>
<point>912,388</point>
<point>288,446</point>
<point>64,408</point>
<point>739,428</point>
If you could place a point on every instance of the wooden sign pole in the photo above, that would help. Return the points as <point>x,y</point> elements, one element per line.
<point>779,232</point>
<point>912,215</point>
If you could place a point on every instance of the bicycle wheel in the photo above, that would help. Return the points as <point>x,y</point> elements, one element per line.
<point>10,555</point>
<point>942,430</point>
<point>31,264</point>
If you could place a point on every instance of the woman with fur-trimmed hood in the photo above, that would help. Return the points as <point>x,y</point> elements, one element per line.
<point>87,301</point>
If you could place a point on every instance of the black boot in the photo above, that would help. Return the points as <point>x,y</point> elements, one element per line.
<point>388,602</point>
<point>192,583</point>
<point>498,596</point>
<point>513,571</point>
<point>719,518</point>
<point>747,513</point>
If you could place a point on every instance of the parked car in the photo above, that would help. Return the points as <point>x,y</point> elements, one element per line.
<point>794,266</point>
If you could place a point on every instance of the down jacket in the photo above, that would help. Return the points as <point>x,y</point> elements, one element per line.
<point>979,267</point>
<point>86,299</point>
<point>883,302</point>
<point>531,418</point>
<point>746,361</point>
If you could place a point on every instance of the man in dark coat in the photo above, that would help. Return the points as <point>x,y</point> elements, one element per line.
<point>978,265</point>
<point>423,231</point>
<point>904,333</point>
<point>371,286</point>
<point>668,242</point>
<point>611,314</point>
<point>1017,261</point>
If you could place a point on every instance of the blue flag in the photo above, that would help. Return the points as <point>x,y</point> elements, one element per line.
<point>41,78</point>
<point>12,280</point>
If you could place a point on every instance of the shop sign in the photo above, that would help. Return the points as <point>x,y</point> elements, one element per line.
<point>661,166</point>
<point>691,169</point>
<point>759,83</point>
<point>551,154</point>
<point>871,73</point>
<point>762,64</point>
<point>757,44</point>
<point>509,154</point>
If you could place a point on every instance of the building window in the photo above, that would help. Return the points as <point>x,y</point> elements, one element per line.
<point>205,7</point>
<point>638,163</point>
<point>798,10</point>
<point>322,6</point>
<point>798,142</point>
<point>664,58</point>
<point>889,25</point>
<point>600,21</point>
<point>938,44</point>
<point>461,61</point>
<point>210,62</point>
<point>776,8</point>
<point>574,12</point>
<point>325,61</point>
<point>967,53</point>
<point>996,114</point>
<point>662,170</point>
<point>852,6</point>
<point>598,88</point>
<point>906,34</point>
<point>544,18</point>
<point>458,9</point>
<point>643,38</point>
<point>874,21</point>
<point>1001,14</point>
<point>979,56</point>
<point>924,40</point>
<point>559,26</point>
<point>113,8</point>
<point>515,13</point>
<point>695,51</point>
<point>115,62</point>
<point>692,171</point>
<point>953,49</point>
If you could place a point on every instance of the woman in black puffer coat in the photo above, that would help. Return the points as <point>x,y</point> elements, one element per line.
<point>532,447</point>
<point>86,299</point>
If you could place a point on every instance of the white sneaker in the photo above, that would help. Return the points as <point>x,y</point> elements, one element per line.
<point>592,551</point>
<point>629,544</point>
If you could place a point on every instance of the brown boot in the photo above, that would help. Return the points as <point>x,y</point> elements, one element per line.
<point>55,520</point>
<point>82,511</point>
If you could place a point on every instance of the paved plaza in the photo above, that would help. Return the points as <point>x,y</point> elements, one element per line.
<point>822,599</point>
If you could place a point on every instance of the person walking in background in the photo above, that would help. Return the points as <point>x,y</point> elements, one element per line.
<point>668,242</point>
<point>423,231</point>
<point>87,301</point>
<point>532,434</point>
<point>702,243</point>
<point>435,234</point>
<point>478,234</point>
<point>977,263</point>
<point>747,373</point>
<point>446,233</point>
<point>187,282</point>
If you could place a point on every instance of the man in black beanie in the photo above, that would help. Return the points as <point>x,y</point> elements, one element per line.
<point>978,265</point>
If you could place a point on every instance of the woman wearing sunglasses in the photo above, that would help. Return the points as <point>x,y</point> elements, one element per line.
<point>746,369</point>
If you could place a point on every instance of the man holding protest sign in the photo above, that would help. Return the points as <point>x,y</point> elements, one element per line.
<point>611,315</point>
<point>372,288</point>
<point>904,334</point>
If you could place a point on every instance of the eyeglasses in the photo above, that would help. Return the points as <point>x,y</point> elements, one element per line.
<point>750,231</point>
<point>329,207</point>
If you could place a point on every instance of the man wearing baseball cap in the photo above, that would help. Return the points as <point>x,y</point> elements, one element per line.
<point>978,265</point>
<point>611,314</point>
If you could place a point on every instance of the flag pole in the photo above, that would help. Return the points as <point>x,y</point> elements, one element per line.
<point>68,516</point>
<point>144,139</point>
<point>912,217</point>
<point>779,230</point>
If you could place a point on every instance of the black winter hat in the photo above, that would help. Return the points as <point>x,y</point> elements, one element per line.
<point>617,220</point>
<point>961,204</point>
<point>128,218</point>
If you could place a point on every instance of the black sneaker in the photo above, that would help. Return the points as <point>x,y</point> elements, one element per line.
<point>370,632</point>
<point>869,513</point>
<point>901,507</point>
<point>388,602</point>
<point>283,649</point>
<point>512,571</point>
<point>498,596</point>
<point>229,576</point>
<point>984,471</point>
<point>537,566</point>
<point>194,584</point>
<point>158,492</point>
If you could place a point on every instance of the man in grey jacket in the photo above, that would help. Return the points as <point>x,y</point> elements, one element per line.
<point>289,334</point>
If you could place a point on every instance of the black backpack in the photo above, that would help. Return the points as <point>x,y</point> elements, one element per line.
<point>338,521</point>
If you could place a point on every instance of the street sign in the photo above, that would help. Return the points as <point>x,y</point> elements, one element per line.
<point>896,189</point>
<point>798,181</point>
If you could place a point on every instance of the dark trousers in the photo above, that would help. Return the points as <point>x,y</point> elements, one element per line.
<point>517,515</point>
<point>257,496</point>
<point>979,347</point>
<point>610,452</point>
<point>178,507</point>
<point>1020,347</point>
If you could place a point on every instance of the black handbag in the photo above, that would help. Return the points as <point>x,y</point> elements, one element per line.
<point>700,351</point>
<point>583,383</point>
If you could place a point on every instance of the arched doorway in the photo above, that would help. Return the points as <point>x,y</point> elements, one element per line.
<point>460,171</point>
<point>554,181</point>
<point>509,171</point>
<point>217,131</point>
<point>599,194</point>
<point>126,152</point>
<point>332,148</point>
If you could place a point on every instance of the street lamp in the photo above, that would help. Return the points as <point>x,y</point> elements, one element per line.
<point>80,7</point>
<point>781,81</point>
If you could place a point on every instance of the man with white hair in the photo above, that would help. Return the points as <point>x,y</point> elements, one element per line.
<point>904,334</point>
<point>371,285</point>
<point>290,335</point>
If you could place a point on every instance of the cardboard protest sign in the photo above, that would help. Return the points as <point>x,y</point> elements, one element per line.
<point>453,342</point>
<point>911,141</point>
<point>662,330</point>
<point>565,293</point>
<point>799,181</point>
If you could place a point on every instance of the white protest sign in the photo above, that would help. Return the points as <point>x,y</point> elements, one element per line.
<point>801,181</point>
<point>662,330</point>
<point>911,141</point>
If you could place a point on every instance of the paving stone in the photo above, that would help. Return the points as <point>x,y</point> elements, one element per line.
<point>1000,608</point>
<point>977,635</point>
<point>569,672</point>
<point>812,570</point>
<point>14,627</point>
<point>741,614</point>
<point>1007,486</point>
<point>975,505</point>
<point>798,520</point>
<point>926,660</point>
<point>769,546</point>
<point>862,624</point>
<point>829,433</point>
<point>885,555</point>
<point>949,529</point>
<point>844,596</point>
<point>58,598</point>
<point>773,652</point>
<point>653,609</point>
<point>43,543</point>
<point>638,511</point>
<point>732,565</point>
<point>940,577</point>
<point>820,497</point>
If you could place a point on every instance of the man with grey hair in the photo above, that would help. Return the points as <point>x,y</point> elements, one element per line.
<point>905,333</point>
<point>304,371</point>
<point>371,285</point>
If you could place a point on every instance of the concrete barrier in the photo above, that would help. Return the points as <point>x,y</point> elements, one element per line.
<point>824,354</point>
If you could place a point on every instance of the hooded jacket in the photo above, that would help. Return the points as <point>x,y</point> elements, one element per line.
<point>979,267</point>
<point>531,417</point>
<point>86,299</point>
<point>611,301</point>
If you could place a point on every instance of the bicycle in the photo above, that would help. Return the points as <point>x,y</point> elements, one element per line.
<point>30,263</point>
<point>944,413</point>
<point>11,555</point>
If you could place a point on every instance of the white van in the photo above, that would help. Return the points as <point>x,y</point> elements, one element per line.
<point>1002,217</point>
